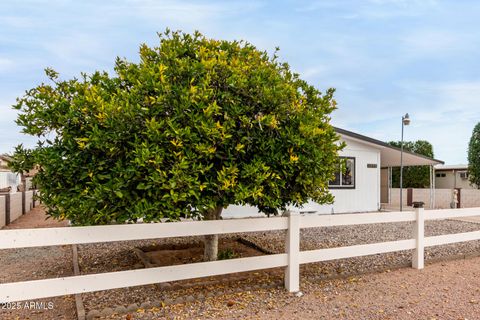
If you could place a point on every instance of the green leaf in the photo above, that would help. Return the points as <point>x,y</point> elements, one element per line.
<point>196,125</point>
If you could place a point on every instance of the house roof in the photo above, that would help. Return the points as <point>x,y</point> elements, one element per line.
<point>5,157</point>
<point>451,167</point>
<point>389,155</point>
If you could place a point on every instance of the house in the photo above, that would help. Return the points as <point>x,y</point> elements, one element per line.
<point>452,177</point>
<point>12,180</point>
<point>4,160</point>
<point>8,179</point>
<point>366,183</point>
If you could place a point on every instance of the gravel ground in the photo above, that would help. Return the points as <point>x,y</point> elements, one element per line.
<point>37,263</point>
<point>247,301</point>
<point>119,256</point>
<point>330,237</point>
<point>99,257</point>
<point>448,290</point>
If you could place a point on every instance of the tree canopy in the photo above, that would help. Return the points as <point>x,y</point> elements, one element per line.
<point>414,176</point>
<point>196,125</point>
<point>474,157</point>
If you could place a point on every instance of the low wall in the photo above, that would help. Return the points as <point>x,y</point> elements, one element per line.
<point>443,198</point>
<point>14,205</point>
<point>469,198</point>
<point>29,200</point>
<point>422,195</point>
<point>395,196</point>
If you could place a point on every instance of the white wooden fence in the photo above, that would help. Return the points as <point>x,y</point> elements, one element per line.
<point>291,259</point>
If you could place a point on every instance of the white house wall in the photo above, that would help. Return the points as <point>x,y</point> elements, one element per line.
<point>9,179</point>
<point>365,197</point>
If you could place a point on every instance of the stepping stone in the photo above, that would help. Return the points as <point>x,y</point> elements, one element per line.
<point>179,300</point>
<point>132,307</point>
<point>93,314</point>
<point>120,310</point>
<point>145,305</point>
<point>106,312</point>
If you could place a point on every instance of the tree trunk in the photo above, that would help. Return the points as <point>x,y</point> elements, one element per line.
<point>210,252</point>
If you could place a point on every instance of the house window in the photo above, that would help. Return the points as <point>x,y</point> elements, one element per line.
<point>440,175</point>
<point>345,175</point>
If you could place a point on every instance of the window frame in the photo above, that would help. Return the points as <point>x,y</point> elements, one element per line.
<point>346,187</point>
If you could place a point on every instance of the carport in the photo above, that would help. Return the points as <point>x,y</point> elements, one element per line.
<point>390,158</point>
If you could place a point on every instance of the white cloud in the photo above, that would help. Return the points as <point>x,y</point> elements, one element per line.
<point>16,22</point>
<point>313,72</point>
<point>188,13</point>
<point>382,42</point>
<point>434,42</point>
<point>6,64</point>
<point>443,113</point>
<point>445,101</point>
<point>372,9</point>
<point>404,2</point>
<point>75,52</point>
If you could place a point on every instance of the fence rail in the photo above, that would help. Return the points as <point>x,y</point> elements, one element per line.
<point>291,259</point>
<point>23,238</point>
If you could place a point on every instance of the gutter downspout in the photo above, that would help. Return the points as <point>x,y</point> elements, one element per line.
<point>431,186</point>
<point>390,185</point>
<point>434,187</point>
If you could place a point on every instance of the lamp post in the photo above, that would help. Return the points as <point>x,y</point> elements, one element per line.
<point>405,122</point>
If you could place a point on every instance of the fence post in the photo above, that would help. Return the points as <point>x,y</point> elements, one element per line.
<point>7,208</point>
<point>292,246</point>
<point>419,235</point>
<point>24,205</point>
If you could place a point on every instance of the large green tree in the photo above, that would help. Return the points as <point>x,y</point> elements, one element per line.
<point>414,176</point>
<point>474,157</point>
<point>196,125</point>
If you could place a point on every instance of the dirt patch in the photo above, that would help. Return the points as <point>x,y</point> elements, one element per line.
<point>175,254</point>
<point>35,218</point>
<point>97,258</point>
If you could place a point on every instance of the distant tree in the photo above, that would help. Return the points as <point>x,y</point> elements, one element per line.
<point>197,125</point>
<point>474,157</point>
<point>414,176</point>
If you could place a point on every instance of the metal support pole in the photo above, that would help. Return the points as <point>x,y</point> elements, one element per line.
<point>401,170</point>
<point>434,187</point>
<point>390,185</point>
<point>431,186</point>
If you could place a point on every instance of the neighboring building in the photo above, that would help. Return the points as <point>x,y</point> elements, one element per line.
<point>452,176</point>
<point>4,159</point>
<point>366,183</point>
<point>8,179</point>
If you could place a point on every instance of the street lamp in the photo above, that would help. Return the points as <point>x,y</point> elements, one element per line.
<point>405,122</point>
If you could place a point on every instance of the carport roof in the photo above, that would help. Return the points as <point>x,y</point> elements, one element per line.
<point>389,155</point>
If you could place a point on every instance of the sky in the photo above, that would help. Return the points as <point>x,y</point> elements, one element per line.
<point>384,57</point>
